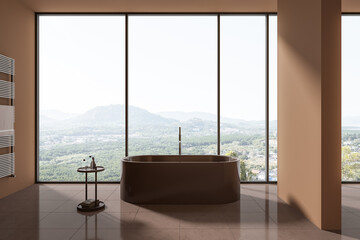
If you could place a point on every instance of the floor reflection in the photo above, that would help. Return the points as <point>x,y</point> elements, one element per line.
<point>49,212</point>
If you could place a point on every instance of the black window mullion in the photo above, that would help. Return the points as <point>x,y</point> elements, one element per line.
<point>126,88</point>
<point>218,85</point>
<point>267,100</point>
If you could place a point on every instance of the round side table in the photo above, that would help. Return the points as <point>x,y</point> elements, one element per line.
<point>89,204</point>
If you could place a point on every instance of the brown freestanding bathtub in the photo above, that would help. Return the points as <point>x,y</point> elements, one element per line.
<point>185,179</point>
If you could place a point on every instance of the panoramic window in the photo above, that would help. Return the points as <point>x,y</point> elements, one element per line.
<point>243,82</point>
<point>172,63</point>
<point>81,95</point>
<point>350,100</point>
<point>172,84</point>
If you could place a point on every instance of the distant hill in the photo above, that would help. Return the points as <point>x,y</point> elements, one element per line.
<point>100,115</point>
<point>139,116</point>
<point>46,121</point>
<point>56,114</point>
<point>110,115</point>
<point>113,115</point>
<point>185,116</point>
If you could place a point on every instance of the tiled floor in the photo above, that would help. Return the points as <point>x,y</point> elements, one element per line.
<point>49,212</point>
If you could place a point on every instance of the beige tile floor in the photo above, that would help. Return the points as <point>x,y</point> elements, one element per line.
<point>48,211</point>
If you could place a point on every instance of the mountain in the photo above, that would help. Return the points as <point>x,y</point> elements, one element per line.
<point>115,115</point>
<point>185,116</point>
<point>47,122</point>
<point>139,116</point>
<point>100,115</point>
<point>56,114</point>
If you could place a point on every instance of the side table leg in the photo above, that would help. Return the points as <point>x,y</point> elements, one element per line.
<point>96,188</point>
<point>86,186</point>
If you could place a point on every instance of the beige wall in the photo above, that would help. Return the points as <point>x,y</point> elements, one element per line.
<point>331,115</point>
<point>299,109</point>
<point>152,5</point>
<point>165,5</point>
<point>351,6</point>
<point>309,103</point>
<point>17,40</point>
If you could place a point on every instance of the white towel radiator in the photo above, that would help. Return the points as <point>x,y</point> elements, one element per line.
<point>7,117</point>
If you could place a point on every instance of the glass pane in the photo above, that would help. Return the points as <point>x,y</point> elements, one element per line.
<point>172,83</point>
<point>350,98</point>
<point>81,88</point>
<point>272,98</point>
<point>243,65</point>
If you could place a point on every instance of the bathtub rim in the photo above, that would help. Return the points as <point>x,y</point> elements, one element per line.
<point>231,159</point>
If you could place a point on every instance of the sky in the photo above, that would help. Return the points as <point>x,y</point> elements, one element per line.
<point>81,62</point>
<point>350,71</point>
<point>172,63</point>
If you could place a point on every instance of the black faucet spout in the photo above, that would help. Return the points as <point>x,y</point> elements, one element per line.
<point>179,140</point>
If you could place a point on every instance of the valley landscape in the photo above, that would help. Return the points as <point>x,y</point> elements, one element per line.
<point>65,140</point>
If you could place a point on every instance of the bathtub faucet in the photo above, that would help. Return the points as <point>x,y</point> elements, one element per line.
<point>179,140</point>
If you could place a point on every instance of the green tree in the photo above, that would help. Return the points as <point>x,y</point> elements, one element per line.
<point>245,172</point>
<point>350,163</point>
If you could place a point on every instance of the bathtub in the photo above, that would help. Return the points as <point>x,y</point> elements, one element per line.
<point>185,179</point>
